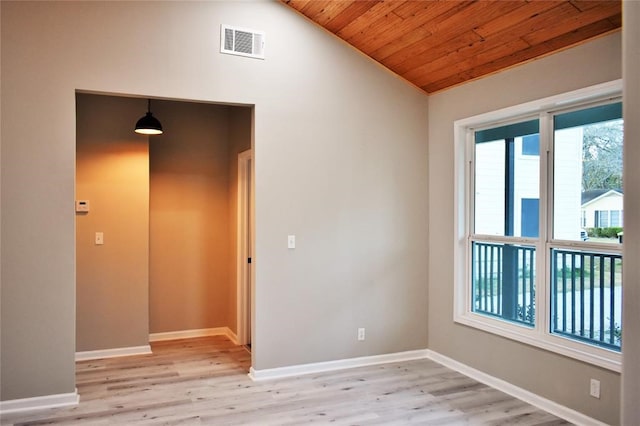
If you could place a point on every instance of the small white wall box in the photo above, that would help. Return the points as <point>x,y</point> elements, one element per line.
<point>82,206</point>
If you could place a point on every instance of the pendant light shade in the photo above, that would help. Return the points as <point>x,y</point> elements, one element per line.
<point>148,125</point>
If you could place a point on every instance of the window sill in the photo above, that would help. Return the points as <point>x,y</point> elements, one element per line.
<point>594,355</point>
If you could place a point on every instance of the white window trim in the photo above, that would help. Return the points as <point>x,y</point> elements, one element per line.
<point>537,336</point>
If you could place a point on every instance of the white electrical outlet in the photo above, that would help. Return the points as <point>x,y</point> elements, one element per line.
<point>594,388</point>
<point>361,334</point>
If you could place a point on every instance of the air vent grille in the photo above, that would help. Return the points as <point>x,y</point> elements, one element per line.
<point>228,39</point>
<point>242,42</point>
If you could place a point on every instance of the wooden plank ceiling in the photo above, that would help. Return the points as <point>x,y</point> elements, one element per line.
<point>439,44</point>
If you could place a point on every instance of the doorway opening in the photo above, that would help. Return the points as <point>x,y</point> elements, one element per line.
<point>166,209</point>
<point>245,248</point>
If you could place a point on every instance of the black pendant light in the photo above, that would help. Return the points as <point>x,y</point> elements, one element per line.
<point>149,125</point>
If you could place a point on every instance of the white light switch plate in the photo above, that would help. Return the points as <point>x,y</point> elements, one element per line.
<point>99,238</point>
<point>291,241</point>
<point>594,388</point>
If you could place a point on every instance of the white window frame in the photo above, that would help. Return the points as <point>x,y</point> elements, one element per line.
<point>538,336</point>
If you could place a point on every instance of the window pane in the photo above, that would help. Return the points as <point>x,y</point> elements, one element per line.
<point>489,187</point>
<point>615,218</point>
<point>507,182</point>
<point>503,281</point>
<point>588,174</point>
<point>586,296</point>
<point>531,145</point>
<point>602,218</point>
<point>529,217</point>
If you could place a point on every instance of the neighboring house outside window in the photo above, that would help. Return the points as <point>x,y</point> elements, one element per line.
<point>602,208</point>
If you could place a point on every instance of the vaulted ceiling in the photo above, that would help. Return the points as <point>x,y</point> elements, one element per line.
<point>439,44</point>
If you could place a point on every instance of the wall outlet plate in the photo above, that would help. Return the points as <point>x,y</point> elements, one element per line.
<point>594,388</point>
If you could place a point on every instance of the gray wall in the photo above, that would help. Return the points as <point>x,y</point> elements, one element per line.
<point>552,376</point>
<point>112,172</point>
<point>340,161</point>
<point>631,271</point>
<point>191,254</point>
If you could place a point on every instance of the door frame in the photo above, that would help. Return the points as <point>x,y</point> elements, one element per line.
<point>244,246</point>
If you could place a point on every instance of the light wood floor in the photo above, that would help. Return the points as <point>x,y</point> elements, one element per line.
<point>204,381</point>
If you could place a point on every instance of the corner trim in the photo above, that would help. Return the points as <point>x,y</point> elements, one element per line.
<point>189,334</point>
<point>112,353</point>
<point>515,391</point>
<point>318,367</point>
<point>232,336</point>
<point>39,403</point>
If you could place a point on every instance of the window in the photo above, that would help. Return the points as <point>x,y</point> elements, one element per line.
<point>586,282</point>
<point>506,207</point>
<point>615,218</point>
<point>608,218</point>
<point>531,145</point>
<point>602,218</point>
<point>525,266</point>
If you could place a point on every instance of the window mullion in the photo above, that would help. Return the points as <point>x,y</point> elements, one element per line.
<point>469,220</point>
<point>546,211</point>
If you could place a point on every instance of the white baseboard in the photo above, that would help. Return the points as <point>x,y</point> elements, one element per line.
<point>112,353</point>
<point>189,334</point>
<point>515,391</point>
<point>39,403</point>
<point>156,337</point>
<point>297,370</point>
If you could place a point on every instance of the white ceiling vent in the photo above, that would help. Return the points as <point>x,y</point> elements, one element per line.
<point>241,41</point>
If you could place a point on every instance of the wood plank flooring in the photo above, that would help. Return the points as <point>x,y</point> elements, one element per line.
<point>204,381</point>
